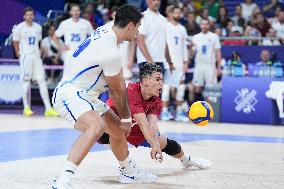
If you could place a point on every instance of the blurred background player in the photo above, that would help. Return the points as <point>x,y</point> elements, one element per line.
<point>177,45</point>
<point>207,51</point>
<point>151,41</point>
<point>145,106</point>
<point>26,39</point>
<point>96,68</point>
<point>74,30</point>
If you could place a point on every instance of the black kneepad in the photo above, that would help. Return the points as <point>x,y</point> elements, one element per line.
<point>172,148</point>
<point>104,139</point>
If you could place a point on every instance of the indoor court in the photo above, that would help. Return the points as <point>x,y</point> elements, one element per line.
<point>244,156</point>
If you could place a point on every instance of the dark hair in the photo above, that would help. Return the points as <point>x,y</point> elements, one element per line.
<point>206,19</point>
<point>28,9</point>
<point>126,14</point>
<point>74,5</point>
<point>148,69</point>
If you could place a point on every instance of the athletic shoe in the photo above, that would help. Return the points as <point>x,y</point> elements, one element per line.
<point>50,113</point>
<point>28,112</point>
<point>166,116</point>
<point>182,116</point>
<point>197,162</point>
<point>57,185</point>
<point>134,175</point>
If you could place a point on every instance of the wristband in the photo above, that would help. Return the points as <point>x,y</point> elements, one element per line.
<point>128,120</point>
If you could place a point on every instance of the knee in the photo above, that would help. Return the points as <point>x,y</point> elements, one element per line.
<point>172,148</point>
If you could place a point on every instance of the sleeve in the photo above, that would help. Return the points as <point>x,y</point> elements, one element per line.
<point>112,64</point>
<point>39,34</point>
<point>44,43</point>
<point>157,108</point>
<point>16,34</point>
<point>217,43</point>
<point>135,101</point>
<point>185,50</point>
<point>60,30</point>
<point>143,29</point>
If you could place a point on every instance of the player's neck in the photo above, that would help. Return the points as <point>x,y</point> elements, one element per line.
<point>154,11</point>
<point>144,93</point>
<point>75,19</point>
<point>173,22</point>
<point>119,34</point>
<point>29,23</point>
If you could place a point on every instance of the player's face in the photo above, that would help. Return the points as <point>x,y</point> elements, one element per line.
<point>155,84</point>
<point>75,12</point>
<point>154,4</point>
<point>205,26</point>
<point>29,16</point>
<point>177,14</point>
<point>132,31</point>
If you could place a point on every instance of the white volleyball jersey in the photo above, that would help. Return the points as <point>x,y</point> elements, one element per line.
<point>74,32</point>
<point>28,37</point>
<point>177,44</point>
<point>153,27</point>
<point>98,56</point>
<point>206,45</point>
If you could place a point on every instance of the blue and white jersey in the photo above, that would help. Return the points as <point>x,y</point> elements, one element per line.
<point>98,56</point>
<point>74,32</point>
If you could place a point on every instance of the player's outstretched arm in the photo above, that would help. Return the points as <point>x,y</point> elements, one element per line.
<point>153,122</point>
<point>149,134</point>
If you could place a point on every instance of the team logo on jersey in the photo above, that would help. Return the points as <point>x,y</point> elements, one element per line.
<point>246,100</point>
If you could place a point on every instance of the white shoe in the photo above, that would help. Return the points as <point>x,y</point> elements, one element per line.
<point>166,116</point>
<point>58,185</point>
<point>197,162</point>
<point>182,116</point>
<point>134,175</point>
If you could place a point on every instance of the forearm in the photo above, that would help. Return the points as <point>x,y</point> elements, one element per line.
<point>219,58</point>
<point>16,47</point>
<point>167,54</point>
<point>142,46</point>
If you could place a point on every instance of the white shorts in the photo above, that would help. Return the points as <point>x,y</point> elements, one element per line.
<point>174,78</point>
<point>31,67</point>
<point>71,104</point>
<point>204,75</point>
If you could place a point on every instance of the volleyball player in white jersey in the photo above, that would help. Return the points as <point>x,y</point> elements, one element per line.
<point>177,44</point>
<point>26,38</point>
<point>74,30</point>
<point>97,67</point>
<point>208,50</point>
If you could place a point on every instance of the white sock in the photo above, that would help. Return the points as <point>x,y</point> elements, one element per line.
<point>185,158</point>
<point>68,172</point>
<point>179,108</point>
<point>44,93</point>
<point>125,163</point>
<point>26,88</point>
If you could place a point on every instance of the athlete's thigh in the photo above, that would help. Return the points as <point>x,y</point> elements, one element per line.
<point>26,66</point>
<point>38,69</point>
<point>210,76</point>
<point>198,76</point>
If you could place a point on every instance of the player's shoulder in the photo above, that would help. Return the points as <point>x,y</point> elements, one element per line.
<point>67,21</point>
<point>213,35</point>
<point>133,86</point>
<point>36,25</point>
<point>20,25</point>
<point>84,21</point>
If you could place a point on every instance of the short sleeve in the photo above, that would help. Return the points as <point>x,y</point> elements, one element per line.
<point>60,30</point>
<point>16,34</point>
<point>135,101</point>
<point>39,33</point>
<point>217,44</point>
<point>156,108</point>
<point>112,64</point>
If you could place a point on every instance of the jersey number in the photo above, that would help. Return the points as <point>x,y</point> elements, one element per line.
<point>204,49</point>
<point>31,40</point>
<point>176,40</point>
<point>75,37</point>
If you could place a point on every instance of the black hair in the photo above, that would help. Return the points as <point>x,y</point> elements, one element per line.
<point>148,69</point>
<point>28,9</point>
<point>75,5</point>
<point>126,14</point>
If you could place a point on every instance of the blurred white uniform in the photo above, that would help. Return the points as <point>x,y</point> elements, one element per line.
<point>177,44</point>
<point>74,34</point>
<point>78,91</point>
<point>30,62</point>
<point>206,45</point>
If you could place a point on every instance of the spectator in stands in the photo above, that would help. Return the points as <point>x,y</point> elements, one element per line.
<point>264,58</point>
<point>223,17</point>
<point>236,31</point>
<point>136,3</point>
<point>271,42</point>
<point>191,26</point>
<point>247,9</point>
<point>274,19</point>
<point>189,4</point>
<point>238,18</point>
<point>270,8</point>
<point>254,33</point>
<point>51,53</point>
<point>218,31</point>
<point>261,24</point>
<point>213,7</point>
<point>205,14</point>
<point>226,30</point>
<point>90,14</point>
<point>279,26</point>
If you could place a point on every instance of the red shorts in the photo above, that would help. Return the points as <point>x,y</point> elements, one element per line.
<point>136,136</point>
